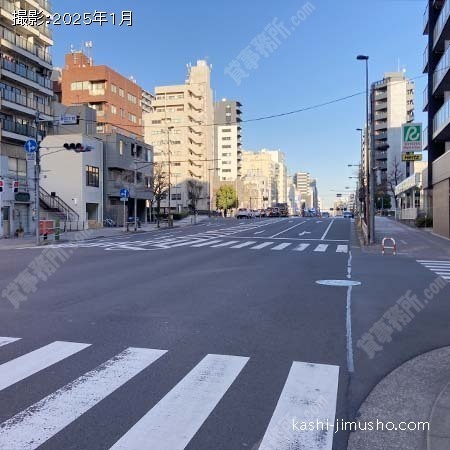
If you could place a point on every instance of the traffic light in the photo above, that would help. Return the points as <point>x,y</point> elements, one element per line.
<point>1,186</point>
<point>78,148</point>
<point>15,187</point>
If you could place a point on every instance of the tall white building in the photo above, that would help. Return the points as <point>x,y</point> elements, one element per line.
<point>181,123</point>
<point>281,192</point>
<point>25,88</point>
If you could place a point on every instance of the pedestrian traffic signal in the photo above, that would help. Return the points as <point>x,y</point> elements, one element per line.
<point>1,186</point>
<point>15,187</point>
<point>78,148</point>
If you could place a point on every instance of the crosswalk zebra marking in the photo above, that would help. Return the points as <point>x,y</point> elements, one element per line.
<point>282,246</point>
<point>441,268</point>
<point>321,248</point>
<point>309,395</point>
<point>301,247</point>
<point>225,244</point>
<point>35,425</point>
<point>173,422</point>
<point>204,244</point>
<point>7,340</point>
<point>244,244</point>
<point>261,246</point>
<point>342,249</point>
<point>26,365</point>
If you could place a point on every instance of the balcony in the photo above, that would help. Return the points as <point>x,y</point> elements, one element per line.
<point>16,130</point>
<point>441,76</point>
<point>425,20</point>
<point>425,60</point>
<point>22,103</point>
<point>425,139</point>
<point>425,99</point>
<point>441,30</point>
<point>31,50</point>
<point>24,75</point>
<point>441,128</point>
<point>380,136</point>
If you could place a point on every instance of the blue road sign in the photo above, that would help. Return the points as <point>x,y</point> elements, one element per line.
<point>124,193</point>
<point>30,146</point>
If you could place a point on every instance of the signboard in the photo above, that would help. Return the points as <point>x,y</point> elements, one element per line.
<point>123,199</point>
<point>411,157</point>
<point>124,193</point>
<point>31,157</point>
<point>69,120</point>
<point>411,137</point>
<point>30,146</point>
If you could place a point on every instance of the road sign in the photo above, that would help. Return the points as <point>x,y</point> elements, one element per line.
<point>69,120</point>
<point>411,157</point>
<point>124,193</point>
<point>123,199</point>
<point>412,137</point>
<point>30,146</point>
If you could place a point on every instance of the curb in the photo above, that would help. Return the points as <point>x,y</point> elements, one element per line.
<point>438,437</point>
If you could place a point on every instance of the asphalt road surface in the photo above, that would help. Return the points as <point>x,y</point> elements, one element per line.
<point>215,336</point>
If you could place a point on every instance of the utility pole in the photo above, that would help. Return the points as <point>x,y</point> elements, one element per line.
<point>37,172</point>
<point>135,193</point>
<point>169,215</point>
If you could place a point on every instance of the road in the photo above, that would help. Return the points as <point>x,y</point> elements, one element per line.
<point>215,336</point>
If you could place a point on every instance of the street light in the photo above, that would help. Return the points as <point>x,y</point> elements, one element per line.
<point>368,157</point>
<point>169,217</point>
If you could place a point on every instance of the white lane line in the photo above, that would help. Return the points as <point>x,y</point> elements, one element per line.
<point>442,273</point>
<point>342,249</point>
<point>260,246</point>
<point>225,244</point>
<point>432,261</point>
<point>173,422</point>
<point>259,232</point>
<point>204,244</point>
<point>282,246</point>
<point>321,248</point>
<point>244,244</point>
<point>7,340</point>
<point>327,230</point>
<point>26,365</point>
<point>301,247</point>
<point>35,425</point>
<point>286,230</point>
<point>308,396</point>
<point>441,266</point>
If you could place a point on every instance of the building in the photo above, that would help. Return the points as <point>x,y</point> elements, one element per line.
<point>118,101</point>
<point>314,194</point>
<point>228,144</point>
<point>181,130</point>
<point>392,105</point>
<point>302,181</point>
<point>25,88</point>
<point>72,188</point>
<point>279,159</point>
<point>436,104</point>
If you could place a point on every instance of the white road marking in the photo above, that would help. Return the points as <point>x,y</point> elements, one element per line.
<point>260,232</point>
<point>309,395</point>
<point>304,232</point>
<point>260,246</point>
<point>321,248</point>
<point>244,244</point>
<point>342,249</point>
<point>7,340</point>
<point>35,425</point>
<point>282,246</point>
<point>327,230</point>
<point>173,422</point>
<point>287,229</point>
<point>26,365</point>
<point>225,244</point>
<point>204,244</point>
<point>301,247</point>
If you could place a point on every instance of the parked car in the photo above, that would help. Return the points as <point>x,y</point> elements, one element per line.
<point>274,212</point>
<point>262,213</point>
<point>131,221</point>
<point>243,213</point>
<point>325,215</point>
<point>348,215</point>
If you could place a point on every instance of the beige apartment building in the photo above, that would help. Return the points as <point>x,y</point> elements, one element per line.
<point>181,129</point>
<point>25,89</point>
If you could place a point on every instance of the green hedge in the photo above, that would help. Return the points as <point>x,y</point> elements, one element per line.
<point>424,222</point>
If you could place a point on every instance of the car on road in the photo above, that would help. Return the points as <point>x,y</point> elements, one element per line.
<point>325,215</point>
<point>348,215</point>
<point>131,221</point>
<point>243,213</point>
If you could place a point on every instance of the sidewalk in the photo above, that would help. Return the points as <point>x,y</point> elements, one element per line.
<point>414,242</point>
<point>98,233</point>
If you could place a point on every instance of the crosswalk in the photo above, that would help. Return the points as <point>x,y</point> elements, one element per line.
<point>441,268</point>
<point>309,394</point>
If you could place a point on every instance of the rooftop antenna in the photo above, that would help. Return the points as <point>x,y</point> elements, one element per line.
<point>88,45</point>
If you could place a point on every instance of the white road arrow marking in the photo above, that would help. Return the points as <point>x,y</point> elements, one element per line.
<point>304,232</point>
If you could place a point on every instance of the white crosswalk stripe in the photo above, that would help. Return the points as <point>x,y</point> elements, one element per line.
<point>204,244</point>
<point>282,246</point>
<point>32,427</point>
<point>321,248</point>
<point>309,394</point>
<point>172,423</point>
<point>24,366</point>
<point>441,268</point>
<point>225,244</point>
<point>263,245</point>
<point>342,249</point>
<point>244,244</point>
<point>301,247</point>
<point>7,340</point>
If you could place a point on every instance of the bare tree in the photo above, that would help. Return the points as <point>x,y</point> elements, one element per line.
<point>159,184</point>
<point>395,177</point>
<point>194,189</point>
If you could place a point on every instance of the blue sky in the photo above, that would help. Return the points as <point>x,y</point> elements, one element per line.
<point>314,64</point>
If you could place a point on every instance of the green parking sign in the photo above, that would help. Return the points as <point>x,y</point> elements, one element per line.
<point>412,137</point>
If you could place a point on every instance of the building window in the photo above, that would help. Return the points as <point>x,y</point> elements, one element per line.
<point>122,113</point>
<point>226,138</point>
<point>121,147</point>
<point>131,98</point>
<point>132,118</point>
<point>92,176</point>
<point>176,196</point>
<point>114,88</point>
<point>226,170</point>
<point>226,154</point>
<point>226,130</point>
<point>176,164</point>
<point>113,109</point>
<point>226,146</point>
<point>156,121</point>
<point>121,93</point>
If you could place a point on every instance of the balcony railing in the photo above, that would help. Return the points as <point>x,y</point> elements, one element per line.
<point>7,5</point>
<point>425,58</point>
<point>442,117</point>
<point>26,73</point>
<point>425,138</point>
<point>441,69</point>
<point>18,128</point>
<point>425,98</point>
<point>442,20</point>
<point>24,44</point>
<point>23,100</point>
<point>425,18</point>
